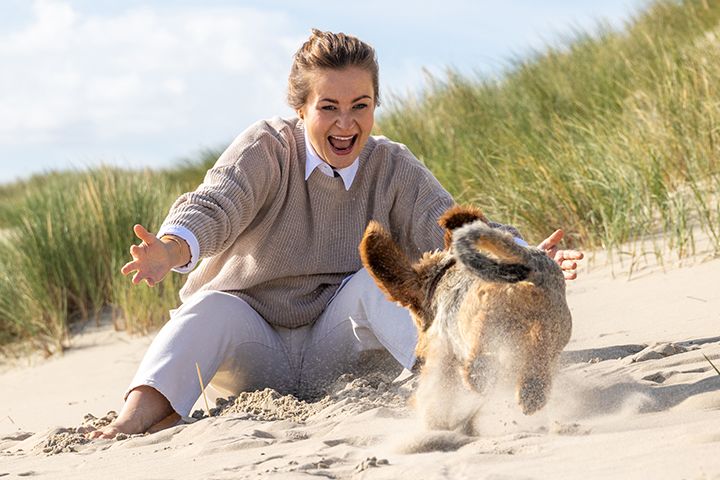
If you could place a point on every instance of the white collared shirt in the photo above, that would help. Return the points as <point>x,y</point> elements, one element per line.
<point>313,161</point>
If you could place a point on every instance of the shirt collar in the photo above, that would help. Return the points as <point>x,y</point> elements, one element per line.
<point>313,161</point>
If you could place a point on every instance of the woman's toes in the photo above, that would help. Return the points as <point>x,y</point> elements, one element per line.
<point>108,432</point>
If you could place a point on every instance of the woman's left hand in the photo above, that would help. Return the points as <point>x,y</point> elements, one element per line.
<point>567,259</point>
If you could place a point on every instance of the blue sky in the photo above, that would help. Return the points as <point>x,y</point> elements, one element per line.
<point>146,83</point>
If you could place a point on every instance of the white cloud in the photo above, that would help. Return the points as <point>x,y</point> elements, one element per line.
<point>142,72</point>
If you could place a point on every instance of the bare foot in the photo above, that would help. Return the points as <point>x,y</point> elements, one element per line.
<point>145,408</point>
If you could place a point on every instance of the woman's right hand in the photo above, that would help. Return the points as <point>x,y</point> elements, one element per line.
<point>152,259</point>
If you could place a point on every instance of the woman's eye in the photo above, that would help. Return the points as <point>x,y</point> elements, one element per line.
<point>328,108</point>
<point>360,106</point>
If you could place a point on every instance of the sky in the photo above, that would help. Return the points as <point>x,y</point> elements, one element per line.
<point>150,83</point>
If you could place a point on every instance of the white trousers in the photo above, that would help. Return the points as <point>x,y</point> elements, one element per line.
<point>236,348</point>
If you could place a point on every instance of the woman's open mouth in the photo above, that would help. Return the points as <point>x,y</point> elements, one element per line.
<point>342,145</point>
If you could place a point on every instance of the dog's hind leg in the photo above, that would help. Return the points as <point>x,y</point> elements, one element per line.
<point>536,363</point>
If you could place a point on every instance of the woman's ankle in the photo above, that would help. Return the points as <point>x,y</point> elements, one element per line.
<point>144,407</point>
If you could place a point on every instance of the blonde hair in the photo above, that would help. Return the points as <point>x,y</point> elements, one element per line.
<point>327,50</point>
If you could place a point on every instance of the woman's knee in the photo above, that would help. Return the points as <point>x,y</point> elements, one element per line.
<point>213,307</point>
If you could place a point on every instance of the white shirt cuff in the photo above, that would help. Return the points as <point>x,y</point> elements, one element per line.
<point>520,241</point>
<point>191,240</point>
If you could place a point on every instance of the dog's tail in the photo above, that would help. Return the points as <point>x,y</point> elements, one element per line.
<point>490,253</point>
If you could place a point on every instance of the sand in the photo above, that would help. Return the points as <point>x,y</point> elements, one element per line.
<point>634,398</point>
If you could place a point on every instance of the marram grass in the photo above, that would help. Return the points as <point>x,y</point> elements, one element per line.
<point>62,255</point>
<point>613,136</point>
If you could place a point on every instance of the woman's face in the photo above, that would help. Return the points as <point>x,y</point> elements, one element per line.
<point>339,113</point>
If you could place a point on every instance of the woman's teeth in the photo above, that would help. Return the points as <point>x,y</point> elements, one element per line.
<point>342,143</point>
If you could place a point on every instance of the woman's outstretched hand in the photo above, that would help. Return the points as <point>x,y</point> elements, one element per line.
<point>152,259</point>
<point>567,259</point>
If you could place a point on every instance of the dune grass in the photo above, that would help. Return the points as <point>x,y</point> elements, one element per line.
<point>61,255</point>
<point>614,136</point>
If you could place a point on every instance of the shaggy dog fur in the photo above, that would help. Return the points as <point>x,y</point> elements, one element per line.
<point>482,303</point>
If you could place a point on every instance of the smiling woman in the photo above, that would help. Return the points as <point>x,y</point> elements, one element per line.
<point>339,114</point>
<point>335,96</point>
<point>280,299</point>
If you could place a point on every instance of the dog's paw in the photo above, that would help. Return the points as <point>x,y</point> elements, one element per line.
<point>532,395</point>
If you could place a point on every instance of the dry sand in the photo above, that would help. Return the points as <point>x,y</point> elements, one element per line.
<point>634,398</point>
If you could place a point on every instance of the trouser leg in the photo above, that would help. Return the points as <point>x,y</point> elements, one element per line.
<point>232,344</point>
<point>358,323</point>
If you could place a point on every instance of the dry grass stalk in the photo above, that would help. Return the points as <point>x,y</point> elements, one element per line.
<point>711,364</point>
<point>202,389</point>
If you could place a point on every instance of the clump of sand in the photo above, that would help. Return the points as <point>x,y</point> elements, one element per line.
<point>348,393</point>
<point>65,440</point>
<point>265,405</point>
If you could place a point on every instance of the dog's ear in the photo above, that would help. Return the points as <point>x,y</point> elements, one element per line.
<point>390,267</point>
<point>457,216</point>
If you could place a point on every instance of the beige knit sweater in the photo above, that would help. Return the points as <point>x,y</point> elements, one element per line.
<point>284,244</point>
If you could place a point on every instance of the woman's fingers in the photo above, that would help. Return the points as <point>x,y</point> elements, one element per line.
<point>568,265</point>
<point>572,254</point>
<point>139,277</point>
<point>135,251</point>
<point>552,241</point>
<point>565,258</point>
<point>550,245</point>
<point>144,258</point>
<point>144,235</point>
<point>129,267</point>
<point>571,275</point>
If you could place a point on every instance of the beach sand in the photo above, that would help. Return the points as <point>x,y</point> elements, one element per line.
<point>634,398</point>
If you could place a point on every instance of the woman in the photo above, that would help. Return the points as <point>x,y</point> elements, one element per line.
<point>281,299</point>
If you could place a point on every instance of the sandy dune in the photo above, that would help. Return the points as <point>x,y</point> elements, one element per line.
<point>634,398</point>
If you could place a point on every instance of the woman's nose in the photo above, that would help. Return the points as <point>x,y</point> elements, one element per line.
<point>344,121</point>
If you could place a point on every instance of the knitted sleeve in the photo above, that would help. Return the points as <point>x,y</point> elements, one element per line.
<point>245,177</point>
<point>431,202</point>
<point>418,201</point>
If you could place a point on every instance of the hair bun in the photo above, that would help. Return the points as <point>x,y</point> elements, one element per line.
<point>328,50</point>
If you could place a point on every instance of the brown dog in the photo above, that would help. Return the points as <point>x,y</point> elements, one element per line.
<point>482,299</point>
